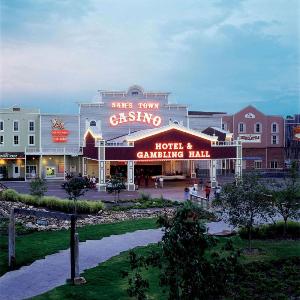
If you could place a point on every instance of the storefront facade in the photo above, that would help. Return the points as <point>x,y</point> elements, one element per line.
<point>19,130</point>
<point>173,147</point>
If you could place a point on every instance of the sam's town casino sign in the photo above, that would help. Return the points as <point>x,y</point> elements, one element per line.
<point>135,112</point>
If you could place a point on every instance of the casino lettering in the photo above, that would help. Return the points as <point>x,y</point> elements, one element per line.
<point>135,116</point>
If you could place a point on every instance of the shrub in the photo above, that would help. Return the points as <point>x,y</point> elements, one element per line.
<point>10,195</point>
<point>38,187</point>
<point>145,196</point>
<point>274,231</point>
<point>53,203</point>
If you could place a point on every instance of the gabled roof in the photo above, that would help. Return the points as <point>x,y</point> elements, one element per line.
<point>94,131</point>
<point>150,132</point>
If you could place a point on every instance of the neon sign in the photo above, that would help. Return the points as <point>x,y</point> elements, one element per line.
<point>173,151</point>
<point>59,133</point>
<point>135,116</point>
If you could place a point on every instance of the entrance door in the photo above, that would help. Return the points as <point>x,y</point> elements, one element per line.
<point>16,171</point>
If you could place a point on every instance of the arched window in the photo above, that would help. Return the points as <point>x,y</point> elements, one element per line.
<point>257,127</point>
<point>93,123</point>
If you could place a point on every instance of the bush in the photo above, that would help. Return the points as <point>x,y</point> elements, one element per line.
<point>10,195</point>
<point>53,203</point>
<point>273,231</point>
<point>145,196</point>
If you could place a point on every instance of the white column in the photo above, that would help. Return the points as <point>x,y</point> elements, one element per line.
<point>25,163</point>
<point>64,163</point>
<point>192,170</point>
<point>41,166</point>
<point>130,175</point>
<point>213,172</point>
<point>238,161</point>
<point>102,166</point>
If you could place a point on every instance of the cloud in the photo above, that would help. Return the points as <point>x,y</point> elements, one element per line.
<point>210,54</point>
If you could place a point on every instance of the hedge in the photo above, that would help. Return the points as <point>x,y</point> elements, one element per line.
<point>53,203</point>
<point>273,231</point>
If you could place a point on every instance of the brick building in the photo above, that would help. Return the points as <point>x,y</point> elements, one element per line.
<point>262,137</point>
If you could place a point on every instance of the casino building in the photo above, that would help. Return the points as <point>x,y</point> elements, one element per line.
<point>136,133</point>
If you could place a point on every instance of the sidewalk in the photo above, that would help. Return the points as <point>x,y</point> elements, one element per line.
<point>45,274</point>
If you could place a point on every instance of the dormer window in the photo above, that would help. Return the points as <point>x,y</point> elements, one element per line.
<point>134,93</point>
<point>93,123</point>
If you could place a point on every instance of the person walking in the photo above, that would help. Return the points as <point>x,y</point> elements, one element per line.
<point>218,191</point>
<point>186,194</point>
<point>161,182</point>
<point>207,192</point>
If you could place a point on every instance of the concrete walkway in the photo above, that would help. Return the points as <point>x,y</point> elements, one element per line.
<point>46,274</point>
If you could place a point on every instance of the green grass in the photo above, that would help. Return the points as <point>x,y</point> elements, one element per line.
<point>37,245</point>
<point>105,281</point>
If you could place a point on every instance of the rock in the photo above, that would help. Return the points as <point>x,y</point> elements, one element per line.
<point>79,281</point>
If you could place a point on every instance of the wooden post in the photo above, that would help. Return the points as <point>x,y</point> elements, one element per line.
<point>72,247</point>
<point>11,240</point>
<point>76,253</point>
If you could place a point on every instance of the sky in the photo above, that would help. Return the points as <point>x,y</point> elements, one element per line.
<point>212,55</point>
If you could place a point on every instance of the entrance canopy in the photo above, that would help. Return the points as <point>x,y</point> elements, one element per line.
<point>171,142</point>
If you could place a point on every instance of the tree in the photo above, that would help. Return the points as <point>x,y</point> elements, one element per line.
<point>38,187</point>
<point>75,188</point>
<point>286,196</point>
<point>116,185</point>
<point>186,269</point>
<point>244,203</point>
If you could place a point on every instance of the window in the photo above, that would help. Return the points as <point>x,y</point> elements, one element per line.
<point>31,140</point>
<point>224,126</point>
<point>1,125</point>
<point>257,164</point>
<point>16,126</point>
<point>31,126</point>
<point>1,140</point>
<point>242,127</point>
<point>31,169</point>
<point>275,140</point>
<point>16,140</point>
<point>274,164</point>
<point>93,123</point>
<point>274,127</point>
<point>134,93</point>
<point>257,128</point>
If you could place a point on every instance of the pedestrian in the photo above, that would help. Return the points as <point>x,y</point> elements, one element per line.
<point>186,193</point>
<point>201,183</point>
<point>218,191</point>
<point>161,182</point>
<point>207,192</point>
<point>156,182</point>
<point>193,192</point>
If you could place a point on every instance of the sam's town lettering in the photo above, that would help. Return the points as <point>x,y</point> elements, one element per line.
<point>173,150</point>
<point>59,133</point>
<point>135,116</point>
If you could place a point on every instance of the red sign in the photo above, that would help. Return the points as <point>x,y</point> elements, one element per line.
<point>60,136</point>
<point>296,131</point>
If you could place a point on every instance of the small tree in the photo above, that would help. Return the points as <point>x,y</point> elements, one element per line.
<point>286,196</point>
<point>186,269</point>
<point>38,187</point>
<point>116,185</point>
<point>75,188</point>
<point>245,203</point>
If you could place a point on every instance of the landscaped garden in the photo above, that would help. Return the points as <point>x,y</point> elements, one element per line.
<point>36,245</point>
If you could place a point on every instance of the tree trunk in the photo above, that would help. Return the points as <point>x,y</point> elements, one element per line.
<point>285,227</point>
<point>250,238</point>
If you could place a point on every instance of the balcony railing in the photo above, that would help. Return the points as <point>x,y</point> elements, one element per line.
<point>224,143</point>
<point>53,151</point>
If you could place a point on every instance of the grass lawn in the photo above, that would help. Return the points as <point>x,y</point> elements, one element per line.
<point>105,281</point>
<point>37,245</point>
